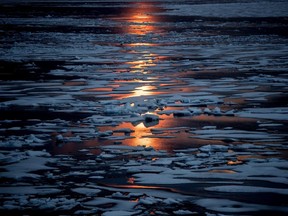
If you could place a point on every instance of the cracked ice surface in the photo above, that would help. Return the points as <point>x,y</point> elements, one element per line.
<point>141,108</point>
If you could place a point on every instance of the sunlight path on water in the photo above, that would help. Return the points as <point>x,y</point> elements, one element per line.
<point>143,108</point>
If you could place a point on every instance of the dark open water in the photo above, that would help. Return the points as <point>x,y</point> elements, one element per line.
<point>84,75</point>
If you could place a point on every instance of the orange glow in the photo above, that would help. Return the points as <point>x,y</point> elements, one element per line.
<point>141,44</point>
<point>104,89</point>
<point>133,186</point>
<point>223,171</point>
<point>133,81</point>
<point>141,64</point>
<point>139,19</point>
<point>247,157</point>
<point>140,131</point>
<point>135,200</point>
<point>131,180</point>
<point>74,83</point>
<point>143,91</point>
<point>140,29</point>
<point>234,162</point>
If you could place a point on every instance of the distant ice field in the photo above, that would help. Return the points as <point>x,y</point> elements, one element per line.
<point>143,107</point>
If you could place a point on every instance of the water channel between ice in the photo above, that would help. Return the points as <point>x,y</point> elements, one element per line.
<point>143,107</point>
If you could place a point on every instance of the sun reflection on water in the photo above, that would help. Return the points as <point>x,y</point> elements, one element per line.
<point>144,90</point>
<point>140,19</point>
<point>223,171</point>
<point>141,44</point>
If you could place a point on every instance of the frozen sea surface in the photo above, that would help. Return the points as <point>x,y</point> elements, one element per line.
<point>143,107</point>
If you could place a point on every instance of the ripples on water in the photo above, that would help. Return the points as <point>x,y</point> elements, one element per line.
<point>166,75</point>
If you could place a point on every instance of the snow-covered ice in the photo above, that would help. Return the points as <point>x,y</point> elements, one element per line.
<point>143,107</point>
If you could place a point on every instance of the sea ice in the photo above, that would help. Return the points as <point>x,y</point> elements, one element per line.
<point>247,189</point>
<point>229,206</point>
<point>86,191</point>
<point>24,167</point>
<point>184,212</point>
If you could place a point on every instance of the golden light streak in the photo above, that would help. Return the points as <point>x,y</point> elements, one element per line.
<point>139,19</point>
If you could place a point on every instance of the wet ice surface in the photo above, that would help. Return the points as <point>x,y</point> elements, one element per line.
<point>143,108</point>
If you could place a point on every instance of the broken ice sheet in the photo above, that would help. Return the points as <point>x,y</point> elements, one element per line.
<point>247,189</point>
<point>229,206</point>
<point>25,167</point>
<point>238,135</point>
<point>195,87</point>
<point>275,113</point>
<point>19,190</point>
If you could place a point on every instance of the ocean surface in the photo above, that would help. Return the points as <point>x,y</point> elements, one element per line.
<point>143,107</point>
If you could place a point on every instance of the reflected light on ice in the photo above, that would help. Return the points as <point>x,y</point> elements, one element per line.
<point>223,171</point>
<point>140,29</point>
<point>143,91</point>
<point>141,44</point>
<point>234,162</point>
<point>140,19</point>
<point>140,131</point>
<point>142,63</point>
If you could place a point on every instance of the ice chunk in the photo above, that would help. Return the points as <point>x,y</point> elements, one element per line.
<point>119,213</point>
<point>149,200</point>
<point>209,127</point>
<point>217,111</point>
<point>247,189</point>
<point>184,212</point>
<point>275,113</point>
<point>170,201</point>
<point>195,111</point>
<point>86,191</point>
<point>124,130</point>
<point>207,111</point>
<point>150,117</point>
<point>37,153</point>
<point>214,148</point>
<point>202,155</point>
<point>23,168</point>
<point>17,190</point>
<point>105,133</point>
<point>106,156</point>
<point>59,137</point>
<point>33,139</point>
<point>224,205</point>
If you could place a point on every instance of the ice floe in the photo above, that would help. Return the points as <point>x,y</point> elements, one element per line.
<point>228,206</point>
<point>213,78</point>
<point>246,189</point>
<point>275,113</point>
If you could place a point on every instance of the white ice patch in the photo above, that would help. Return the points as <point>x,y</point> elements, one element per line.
<point>38,153</point>
<point>229,206</point>
<point>246,9</point>
<point>215,148</point>
<point>86,191</point>
<point>253,170</point>
<point>120,213</point>
<point>247,189</point>
<point>184,212</point>
<point>279,113</point>
<point>20,190</point>
<point>236,134</point>
<point>118,204</point>
<point>163,178</point>
<point>25,167</point>
<point>256,96</point>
